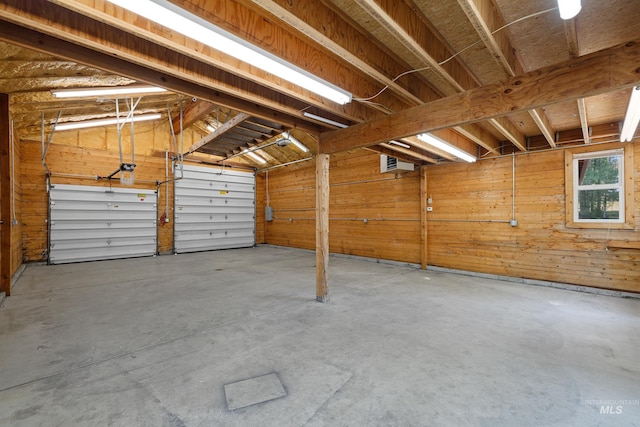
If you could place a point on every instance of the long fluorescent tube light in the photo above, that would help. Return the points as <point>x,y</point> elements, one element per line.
<point>325,120</point>
<point>632,117</point>
<point>106,91</point>
<point>105,122</point>
<point>173,17</point>
<point>300,145</point>
<point>400,144</point>
<point>569,8</point>
<point>255,157</point>
<point>445,146</point>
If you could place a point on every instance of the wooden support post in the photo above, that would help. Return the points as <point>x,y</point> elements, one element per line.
<point>424,195</point>
<point>322,227</point>
<point>5,197</point>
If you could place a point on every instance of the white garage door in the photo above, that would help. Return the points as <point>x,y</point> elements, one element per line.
<point>214,209</point>
<point>95,223</point>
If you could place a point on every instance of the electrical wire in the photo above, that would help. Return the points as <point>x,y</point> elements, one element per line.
<point>455,55</point>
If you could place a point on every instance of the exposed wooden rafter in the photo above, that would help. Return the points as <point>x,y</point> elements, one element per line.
<point>480,13</point>
<point>584,120</point>
<point>224,128</point>
<point>191,114</point>
<point>594,74</point>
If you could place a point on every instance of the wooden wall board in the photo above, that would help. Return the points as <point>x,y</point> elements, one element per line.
<point>541,246</point>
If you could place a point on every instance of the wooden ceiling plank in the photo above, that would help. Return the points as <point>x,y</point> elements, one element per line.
<point>584,120</point>
<point>480,136</point>
<point>480,13</point>
<point>509,130</point>
<point>386,21</point>
<point>198,82</point>
<point>221,130</point>
<point>600,72</point>
<point>194,112</point>
<point>377,13</point>
<point>447,83</point>
<point>131,23</point>
<point>309,31</point>
<point>544,125</point>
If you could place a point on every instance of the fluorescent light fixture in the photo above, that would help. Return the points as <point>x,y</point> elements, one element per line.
<point>325,120</point>
<point>173,17</point>
<point>287,136</point>
<point>106,91</point>
<point>210,128</point>
<point>105,122</point>
<point>255,157</point>
<point>633,116</point>
<point>399,144</point>
<point>569,8</point>
<point>445,146</point>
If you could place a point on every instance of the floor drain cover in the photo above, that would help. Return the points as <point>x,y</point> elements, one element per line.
<point>252,391</point>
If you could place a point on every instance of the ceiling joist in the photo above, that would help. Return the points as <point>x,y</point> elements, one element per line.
<point>610,69</point>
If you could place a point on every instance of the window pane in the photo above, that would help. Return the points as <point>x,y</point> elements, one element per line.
<point>600,170</point>
<point>599,204</point>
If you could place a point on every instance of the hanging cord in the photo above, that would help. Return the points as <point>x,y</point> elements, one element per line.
<point>417,70</point>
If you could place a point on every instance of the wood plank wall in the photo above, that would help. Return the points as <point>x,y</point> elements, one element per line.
<point>541,246</point>
<point>390,204</point>
<point>468,228</point>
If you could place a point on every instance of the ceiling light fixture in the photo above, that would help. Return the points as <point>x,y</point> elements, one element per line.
<point>569,8</point>
<point>288,137</point>
<point>255,157</point>
<point>400,144</point>
<point>445,146</point>
<point>106,91</point>
<point>105,122</point>
<point>325,120</point>
<point>171,16</point>
<point>632,117</point>
<point>210,128</point>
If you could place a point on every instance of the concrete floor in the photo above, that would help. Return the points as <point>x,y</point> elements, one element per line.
<point>154,341</point>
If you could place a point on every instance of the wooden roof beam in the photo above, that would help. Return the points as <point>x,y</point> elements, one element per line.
<point>446,83</point>
<point>584,120</point>
<point>221,130</point>
<point>480,14</point>
<point>480,136</point>
<point>600,72</point>
<point>544,125</point>
<point>510,131</point>
<point>194,112</point>
<point>100,46</point>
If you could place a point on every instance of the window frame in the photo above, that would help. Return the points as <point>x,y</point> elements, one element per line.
<point>626,199</point>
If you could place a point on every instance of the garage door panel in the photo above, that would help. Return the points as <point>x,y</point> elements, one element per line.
<point>195,173</point>
<point>70,234</point>
<point>90,223</point>
<point>214,209</point>
<point>216,187</point>
<point>216,219</point>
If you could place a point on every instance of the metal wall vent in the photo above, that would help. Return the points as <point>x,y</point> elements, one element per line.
<point>391,164</point>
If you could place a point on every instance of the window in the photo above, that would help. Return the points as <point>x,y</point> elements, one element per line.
<point>596,193</point>
<point>597,185</point>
